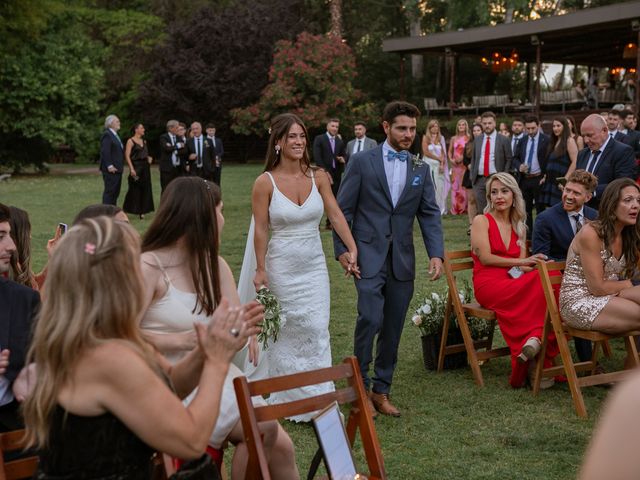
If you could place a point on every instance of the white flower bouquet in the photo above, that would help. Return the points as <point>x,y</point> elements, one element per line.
<point>273,317</point>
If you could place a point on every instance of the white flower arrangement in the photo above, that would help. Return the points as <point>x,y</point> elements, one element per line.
<point>417,161</point>
<point>273,317</point>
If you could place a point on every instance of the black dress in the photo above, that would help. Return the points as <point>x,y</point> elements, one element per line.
<point>139,199</point>
<point>557,166</point>
<point>97,448</point>
<point>466,161</point>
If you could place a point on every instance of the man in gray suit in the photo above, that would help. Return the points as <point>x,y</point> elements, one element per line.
<point>383,190</point>
<point>491,154</point>
<point>361,143</point>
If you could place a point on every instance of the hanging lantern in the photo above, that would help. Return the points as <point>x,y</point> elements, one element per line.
<point>630,51</point>
<point>485,62</point>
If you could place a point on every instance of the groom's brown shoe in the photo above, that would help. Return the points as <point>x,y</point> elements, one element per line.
<point>383,405</point>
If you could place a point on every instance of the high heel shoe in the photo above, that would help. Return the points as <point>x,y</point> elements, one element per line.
<point>530,349</point>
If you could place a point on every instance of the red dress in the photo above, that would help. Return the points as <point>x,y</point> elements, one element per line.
<point>519,303</point>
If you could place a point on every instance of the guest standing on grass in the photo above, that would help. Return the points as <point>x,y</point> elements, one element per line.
<point>139,198</point>
<point>111,160</point>
<point>434,151</point>
<point>458,168</point>
<point>472,208</point>
<point>383,191</point>
<point>504,278</point>
<point>561,162</point>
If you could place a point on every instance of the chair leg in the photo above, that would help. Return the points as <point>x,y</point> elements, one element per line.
<point>594,356</point>
<point>444,334</point>
<point>632,353</point>
<point>606,348</point>
<point>471,351</point>
<point>570,372</point>
<point>537,377</point>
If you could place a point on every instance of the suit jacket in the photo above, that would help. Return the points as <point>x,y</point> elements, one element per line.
<point>324,157</point>
<point>378,226</point>
<point>502,155</point>
<point>218,148</point>
<point>166,152</point>
<point>367,144</point>
<point>616,161</point>
<point>208,155</point>
<point>633,140</point>
<point>542,149</point>
<point>19,306</point>
<point>111,151</point>
<point>621,137</point>
<point>553,232</point>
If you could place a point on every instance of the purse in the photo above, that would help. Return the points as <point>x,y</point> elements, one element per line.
<point>200,469</point>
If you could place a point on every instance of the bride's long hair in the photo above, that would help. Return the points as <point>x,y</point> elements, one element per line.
<point>93,294</point>
<point>279,129</point>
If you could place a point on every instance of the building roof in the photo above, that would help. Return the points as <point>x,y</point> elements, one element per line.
<point>593,36</point>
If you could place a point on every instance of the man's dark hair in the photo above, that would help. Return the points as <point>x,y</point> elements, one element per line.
<point>331,120</point>
<point>488,115</point>
<point>625,113</point>
<point>397,108</point>
<point>617,113</point>
<point>360,123</point>
<point>210,125</point>
<point>531,119</point>
<point>5,213</point>
<point>517,119</point>
<point>96,210</point>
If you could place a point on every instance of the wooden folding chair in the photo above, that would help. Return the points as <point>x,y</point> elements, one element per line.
<point>354,394</point>
<point>456,262</point>
<point>562,331</point>
<point>19,468</point>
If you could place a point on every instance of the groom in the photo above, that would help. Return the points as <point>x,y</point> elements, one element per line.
<point>382,191</point>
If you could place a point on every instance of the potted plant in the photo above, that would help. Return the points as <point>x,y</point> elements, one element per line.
<point>429,316</point>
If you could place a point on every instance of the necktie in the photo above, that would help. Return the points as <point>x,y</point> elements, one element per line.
<point>591,167</point>
<point>403,156</point>
<point>487,153</point>
<point>332,142</point>
<point>359,146</point>
<point>198,154</point>
<point>531,149</point>
<point>174,155</point>
<point>576,218</point>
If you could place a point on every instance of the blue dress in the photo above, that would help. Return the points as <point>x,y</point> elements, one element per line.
<point>557,166</point>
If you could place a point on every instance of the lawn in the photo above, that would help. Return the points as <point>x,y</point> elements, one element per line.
<point>449,428</point>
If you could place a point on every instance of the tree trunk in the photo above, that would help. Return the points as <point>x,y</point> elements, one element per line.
<point>336,18</point>
<point>508,16</point>
<point>417,61</point>
<point>560,82</point>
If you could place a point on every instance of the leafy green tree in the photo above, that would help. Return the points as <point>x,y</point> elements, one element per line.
<point>311,77</point>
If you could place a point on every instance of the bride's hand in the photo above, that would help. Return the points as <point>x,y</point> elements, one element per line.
<point>353,268</point>
<point>260,280</point>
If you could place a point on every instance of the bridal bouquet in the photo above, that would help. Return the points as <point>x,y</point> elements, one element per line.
<point>273,318</point>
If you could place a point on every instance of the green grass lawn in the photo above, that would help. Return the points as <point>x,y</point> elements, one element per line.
<point>449,428</point>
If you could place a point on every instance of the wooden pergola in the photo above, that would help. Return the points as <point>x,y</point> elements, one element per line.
<point>593,37</point>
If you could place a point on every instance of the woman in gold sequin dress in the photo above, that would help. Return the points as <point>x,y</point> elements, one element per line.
<point>596,292</point>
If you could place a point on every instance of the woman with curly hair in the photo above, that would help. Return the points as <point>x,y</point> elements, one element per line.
<point>597,292</point>
<point>504,277</point>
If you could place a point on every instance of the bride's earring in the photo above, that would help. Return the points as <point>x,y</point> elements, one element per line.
<point>277,150</point>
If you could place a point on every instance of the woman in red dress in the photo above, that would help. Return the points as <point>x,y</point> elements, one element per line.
<point>504,278</point>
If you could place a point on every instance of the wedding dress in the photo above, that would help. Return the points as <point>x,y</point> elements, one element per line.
<point>298,277</point>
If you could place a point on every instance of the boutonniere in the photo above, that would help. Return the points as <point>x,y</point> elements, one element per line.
<point>417,161</point>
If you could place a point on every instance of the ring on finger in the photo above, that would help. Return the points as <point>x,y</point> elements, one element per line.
<point>234,332</point>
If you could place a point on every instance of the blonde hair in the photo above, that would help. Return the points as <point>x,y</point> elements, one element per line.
<point>93,293</point>
<point>518,214</point>
<point>467,132</point>
<point>427,133</point>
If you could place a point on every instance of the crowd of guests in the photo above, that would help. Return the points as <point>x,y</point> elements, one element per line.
<point>183,152</point>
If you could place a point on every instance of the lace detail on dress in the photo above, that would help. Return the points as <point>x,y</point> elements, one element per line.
<point>297,273</point>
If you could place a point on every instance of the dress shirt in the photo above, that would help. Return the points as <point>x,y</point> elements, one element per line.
<point>358,145</point>
<point>514,141</point>
<point>396,173</point>
<point>591,168</point>
<point>199,145</point>
<point>572,220</point>
<point>174,154</point>
<point>535,164</point>
<point>492,155</point>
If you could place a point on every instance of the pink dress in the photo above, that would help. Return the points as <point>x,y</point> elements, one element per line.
<point>458,192</point>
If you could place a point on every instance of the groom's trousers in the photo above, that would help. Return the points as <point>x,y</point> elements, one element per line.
<point>383,301</point>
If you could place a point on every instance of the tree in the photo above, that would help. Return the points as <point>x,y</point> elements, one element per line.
<point>311,77</point>
<point>216,60</point>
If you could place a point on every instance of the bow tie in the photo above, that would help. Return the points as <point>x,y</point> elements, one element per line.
<point>403,156</point>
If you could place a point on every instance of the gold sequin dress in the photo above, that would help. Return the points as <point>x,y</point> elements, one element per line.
<point>578,307</point>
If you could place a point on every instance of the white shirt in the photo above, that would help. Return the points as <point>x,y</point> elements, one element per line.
<point>396,173</point>
<point>198,144</point>
<point>572,221</point>
<point>492,154</point>
<point>535,164</point>
<point>174,155</point>
<point>515,139</point>
<point>591,168</point>
<point>357,145</point>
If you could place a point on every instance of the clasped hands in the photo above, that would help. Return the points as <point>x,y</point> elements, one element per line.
<point>349,262</point>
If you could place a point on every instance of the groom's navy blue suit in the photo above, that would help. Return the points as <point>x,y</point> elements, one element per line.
<point>384,237</point>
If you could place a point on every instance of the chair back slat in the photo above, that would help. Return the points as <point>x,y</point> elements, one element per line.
<point>297,380</point>
<point>20,468</point>
<point>297,407</point>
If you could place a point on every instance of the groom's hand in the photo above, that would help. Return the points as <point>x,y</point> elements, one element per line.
<point>348,266</point>
<point>435,268</point>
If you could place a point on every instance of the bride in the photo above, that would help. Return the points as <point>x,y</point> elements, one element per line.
<point>289,199</point>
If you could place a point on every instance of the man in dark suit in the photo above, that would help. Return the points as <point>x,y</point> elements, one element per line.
<point>491,154</point>
<point>329,154</point>
<point>18,306</point>
<point>613,124</point>
<point>633,136</point>
<point>517,133</point>
<point>218,149</point>
<point>111,160</point>
<point>603,156</point>
<point>361,142</point>
<point>171,148</point>
<point>382,194</point>
<point>530,161</point>
<point>201,153</point>
<point>555,228</point>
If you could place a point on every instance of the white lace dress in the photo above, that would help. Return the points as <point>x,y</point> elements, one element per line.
<point>298,276</point>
